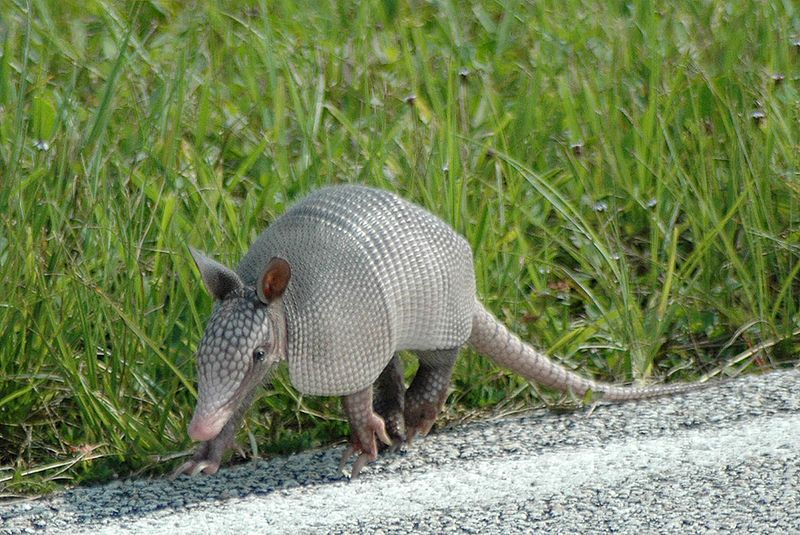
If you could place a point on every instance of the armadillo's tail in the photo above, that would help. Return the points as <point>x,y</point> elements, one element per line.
<point>493,339</point>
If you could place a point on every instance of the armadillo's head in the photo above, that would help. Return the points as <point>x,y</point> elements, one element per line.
<point>244,340</point>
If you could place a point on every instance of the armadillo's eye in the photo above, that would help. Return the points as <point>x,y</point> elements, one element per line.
<point>259,355</point>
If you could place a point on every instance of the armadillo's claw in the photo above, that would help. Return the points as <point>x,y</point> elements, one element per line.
<point>362,460</point>
<point>395,428</point>
<point>365,426</point>
<point>360,463</point>
<point>396,445</point>
<point>207,467</point>
<point>422,428</point>
<point>182,469</point>
<point>192,468</point>
<point>382,434</point>
<point>363,441</point>
<point>348,452</point>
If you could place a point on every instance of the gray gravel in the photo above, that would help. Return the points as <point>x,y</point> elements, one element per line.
<point>723,459</point>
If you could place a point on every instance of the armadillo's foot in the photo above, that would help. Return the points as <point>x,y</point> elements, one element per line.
<point>428,391</point>
<point>192,468</point>
<point>361,461</point>
<point>389,402</point>
<point>208,456</point>
<point>365,425</point>
<point>206,459</point>
<point>420,421</point>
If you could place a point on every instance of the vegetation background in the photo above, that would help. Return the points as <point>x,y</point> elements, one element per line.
<point>627,172</point>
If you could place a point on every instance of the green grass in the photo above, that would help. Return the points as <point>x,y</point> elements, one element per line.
<point>627,210</point>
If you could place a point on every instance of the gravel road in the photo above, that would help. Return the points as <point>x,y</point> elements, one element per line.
<point>724,459</point>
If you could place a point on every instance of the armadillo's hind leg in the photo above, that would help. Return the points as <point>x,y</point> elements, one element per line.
<point>428,391</point>
<point>389,401</point>
<point>365,425</point>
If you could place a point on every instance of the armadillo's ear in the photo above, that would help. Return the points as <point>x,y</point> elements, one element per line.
<point>220,280</point>
<point>273,280</point>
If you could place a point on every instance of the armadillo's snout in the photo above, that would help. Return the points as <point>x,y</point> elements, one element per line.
<point>207,427</point>
<point>201,432</point>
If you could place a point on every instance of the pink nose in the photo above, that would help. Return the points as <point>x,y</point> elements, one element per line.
<point>202,430</point>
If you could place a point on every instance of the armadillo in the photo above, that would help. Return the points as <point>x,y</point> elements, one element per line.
<point>336,287</point>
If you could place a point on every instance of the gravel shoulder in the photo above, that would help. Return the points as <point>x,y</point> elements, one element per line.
<point>721,459</point>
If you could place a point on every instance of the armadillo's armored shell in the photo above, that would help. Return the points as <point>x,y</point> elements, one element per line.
<point>371,274</point>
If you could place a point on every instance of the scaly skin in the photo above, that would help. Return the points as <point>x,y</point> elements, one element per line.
<point>412,412</point>
<point>366,274</point>
<point>493,339</point>
<point>428,391</point>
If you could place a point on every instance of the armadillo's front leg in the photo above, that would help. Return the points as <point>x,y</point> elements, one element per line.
<point>389,400</point>
<point>209,454</point>
<point>428,391</point>
<point>365,425</point>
